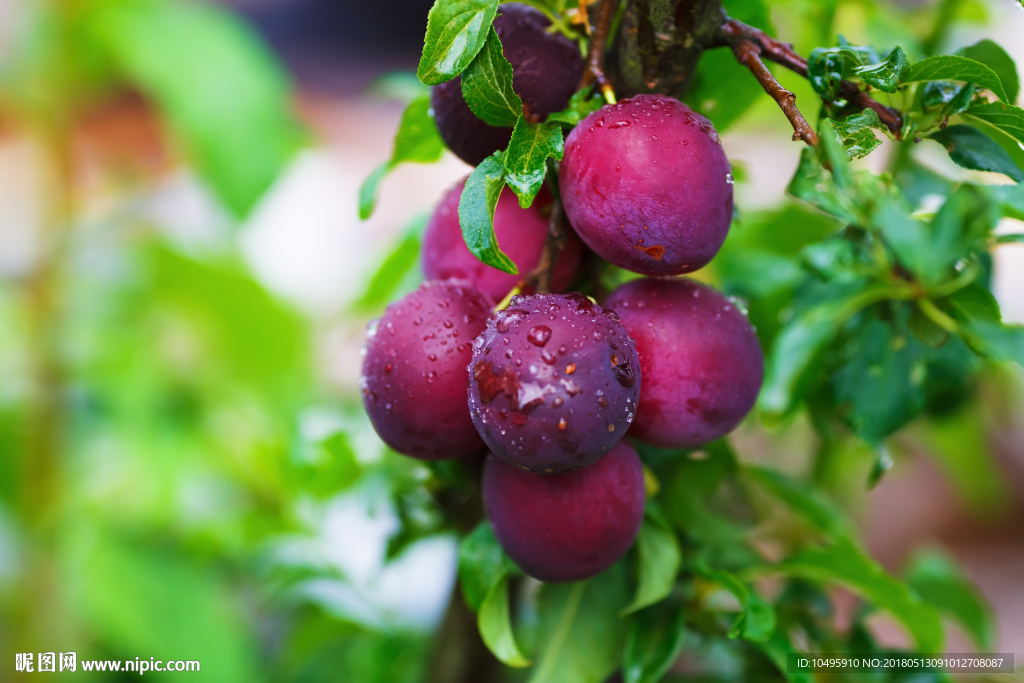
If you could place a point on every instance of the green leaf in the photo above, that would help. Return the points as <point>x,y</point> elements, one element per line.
<point>495,626</point>
<point>969,148</point>
<point>487,86</point>
<point>826,67</point>
<point>882,383</point>
<point>580,635</point>
<point>816,185</point>
<point>482,564</point>
<point>887,74</point>
<point>456,32</point>
<point>581,104</point>
<point>777,649</point>
<point>1010,239</point>
<point>995,57</point>
<point>810,503</point>
<point>804,337</point>
<point>949,98</point>
<point>476,213</point>
<point>956,68</point>
<point>333,468</point>
<point>846,565</point>
<point>756,622</point>
<point>416,141</point>
<point>398,263</point>
<point>1005,117</point>
<point>532,144</point>
<point>660,558</point>
<point>220,90</point>
<point>854,132</point>
<point>938,580</point>
<point>653,643</point>
<point>997,341</point>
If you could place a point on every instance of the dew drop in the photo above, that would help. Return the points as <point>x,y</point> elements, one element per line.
<point>432,357</point>
<point>539,335</point>
<point>562,424</point>
<point>570,368</point>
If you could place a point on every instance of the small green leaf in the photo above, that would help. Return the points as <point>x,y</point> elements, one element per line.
<point>855,133</point>
<point>997,341</point>
<point>887,74</point>
<point>487,86</point>
<point>879,468</point>
<point>476,213</point>
<point>1006,117</point>
<point>938,580</point>
<point>580,635</point>
<point>995,57</point>
<point>653,643</point>
<point>660,558</point>
<point>815,184</point>
<point>482,563</point>
<point>846,565</point>
<point>456,32</point>
<point>531,146</point>
<point>956,68</point>
<point>756,622</point>
<point>495,625</point>
<point>969,148</point>
<point>808,502</point>
<point>581,104</point>
<point>1010,239</point>
<point>826,67</point>
<point>416,141</point>
<point>949,98</point>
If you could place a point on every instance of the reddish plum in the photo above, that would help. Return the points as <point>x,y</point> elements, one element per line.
<point>647,186</point>
<point>567,527</point>
<point>521,235</point>
<point>554,382</point>
<point>414,370</point>
<point>701,362</point>
<point>546,68</point>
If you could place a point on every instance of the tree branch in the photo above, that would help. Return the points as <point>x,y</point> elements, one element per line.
<point>748,54</point>
<point>594,71</point>
<point>734,32</point>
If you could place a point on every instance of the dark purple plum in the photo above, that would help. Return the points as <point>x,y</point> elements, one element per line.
<point>571,526</point>
<point>414,370</point>
<point>647,186</point>
<point>701,362</point>
<point>554,382</point>
<point>521,235</point>
<point>546,68</point>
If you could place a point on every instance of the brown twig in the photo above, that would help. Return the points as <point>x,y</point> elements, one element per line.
<point>748,53</point>
<point>594,71</point>
<point>734,32</point>
<point>541,276</point>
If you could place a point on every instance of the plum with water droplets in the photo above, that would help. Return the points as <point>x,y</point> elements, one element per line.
<point>647,185</point>
<point>700,358</point>
<point>546,68</point>
<point>521,234</point>
<point>554,382</point>
<point>571,526</point>
<point>414,370</point>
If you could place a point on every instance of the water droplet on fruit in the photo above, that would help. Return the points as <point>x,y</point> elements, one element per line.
<point>729,179</point>
<point>603,401</point>
<point>557,403</point>
<point>563,350</point>
<point>371,328</point>
<point>387,367</point>
<point>432,357</point>
<point>562,424</point>
<point>417,321</point>
<point>448,324</point>
<point>623,371</point>
<point>611,428</point>
<point>431,376</point>
<point>570,368</point>
<point>539,336</point>
<point>549,357</point>
<point>620,124</point>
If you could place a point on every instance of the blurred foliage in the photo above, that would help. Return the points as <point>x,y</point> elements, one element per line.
<point>176,481</point>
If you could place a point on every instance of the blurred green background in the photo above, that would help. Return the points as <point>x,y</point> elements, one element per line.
<point>185,469</point>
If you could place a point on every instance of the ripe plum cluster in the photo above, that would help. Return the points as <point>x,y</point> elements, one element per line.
<point>545,388</point>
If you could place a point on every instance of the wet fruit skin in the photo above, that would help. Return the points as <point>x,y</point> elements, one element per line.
<point>414,370</point>
<point>546,68</point>
<point>571,526</point>
<point>554,383</point>
<point>521,235</point>
<point>699,356</point>
<point>647,185</point>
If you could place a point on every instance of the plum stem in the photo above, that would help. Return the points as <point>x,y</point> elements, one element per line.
<point>594,71</point>
<point>748,53</point>
<point>542,274</point>
<point>734,33</point>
